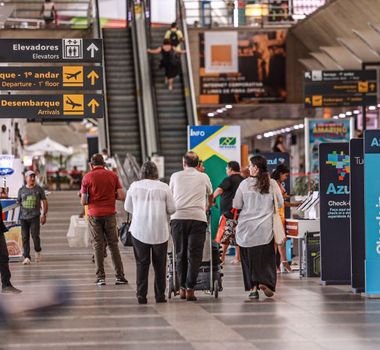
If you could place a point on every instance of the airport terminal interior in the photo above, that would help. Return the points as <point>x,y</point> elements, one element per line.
<point>195,104</point>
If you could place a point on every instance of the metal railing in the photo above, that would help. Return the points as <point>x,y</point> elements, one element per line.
<point>188,78</point>
<point>128,171</point>
<point>27,14</point>
<point>225,13</point>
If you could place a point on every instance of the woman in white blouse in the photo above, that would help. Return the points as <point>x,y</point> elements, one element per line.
<point>150,202</point>
<point>254,232</point>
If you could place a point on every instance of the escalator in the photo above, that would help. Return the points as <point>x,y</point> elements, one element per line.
<point>123,118</point>
<point>171,114</point>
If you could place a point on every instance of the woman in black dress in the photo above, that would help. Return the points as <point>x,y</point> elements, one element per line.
<point>170,61</point>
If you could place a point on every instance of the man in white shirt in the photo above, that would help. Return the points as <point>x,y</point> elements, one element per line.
<point>190,189</point>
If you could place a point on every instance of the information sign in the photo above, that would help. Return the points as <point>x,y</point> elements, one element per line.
<point>372,211</point>
<point>334,163</point>
<point>52,106</point>
<point>51,78</point>
<point>340,88</point>
<point>51,50</point>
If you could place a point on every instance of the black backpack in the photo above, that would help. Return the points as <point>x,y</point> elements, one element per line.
<point>174,40</point>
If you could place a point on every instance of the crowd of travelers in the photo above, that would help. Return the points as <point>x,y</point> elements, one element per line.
<point>159,210</point>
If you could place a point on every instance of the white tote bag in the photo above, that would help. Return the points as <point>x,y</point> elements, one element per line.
<point>278,227</point>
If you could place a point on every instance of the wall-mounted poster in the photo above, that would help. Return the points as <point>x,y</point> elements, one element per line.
<point>319,131</point>
<point>221,54</point>
<point>242,67</point>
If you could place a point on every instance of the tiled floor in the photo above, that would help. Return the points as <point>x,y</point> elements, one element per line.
<point>303,314</point>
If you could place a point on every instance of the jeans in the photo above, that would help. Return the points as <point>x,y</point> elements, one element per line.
<point>189,238</point>
<point>143,251</point>
<point>105,228</point>
<point>30,227</point>
<point>4,263</point>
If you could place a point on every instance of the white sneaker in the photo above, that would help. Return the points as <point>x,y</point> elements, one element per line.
<point>38,257</point>
<point>26,261</point>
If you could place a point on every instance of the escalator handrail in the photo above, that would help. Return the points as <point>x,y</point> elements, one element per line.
<point>148,33</point>
<point>187,70</point>
<point>147,91</point>
<point>140,108</point>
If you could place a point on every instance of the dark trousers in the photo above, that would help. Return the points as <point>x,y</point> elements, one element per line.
<point>103,229</point>
<point>189,238</point>
<point>143,252</point>
<point>4,262</point>
<point>30,227</point>
<point>259,266</point>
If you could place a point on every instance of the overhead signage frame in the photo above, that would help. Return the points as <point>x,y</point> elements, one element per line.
<point>340,88</point>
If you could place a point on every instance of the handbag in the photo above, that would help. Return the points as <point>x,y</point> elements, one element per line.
<point>125,235</point>
<point>278,227</point>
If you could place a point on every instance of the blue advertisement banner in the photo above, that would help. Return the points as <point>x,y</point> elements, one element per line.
<point>335,209</point>
<point>372,211</point>
<point>274,159</point>
<point>319,131</point>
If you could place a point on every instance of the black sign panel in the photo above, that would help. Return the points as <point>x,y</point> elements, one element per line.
<point>334,164</point>
<point>274,159</point>
<point>340,88</point>
<point>52,106</point>
<point>357,215</point>
<point>51,78</point>
<point>51,50</point>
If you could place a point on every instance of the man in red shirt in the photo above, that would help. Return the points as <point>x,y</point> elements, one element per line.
<point>100,189</point>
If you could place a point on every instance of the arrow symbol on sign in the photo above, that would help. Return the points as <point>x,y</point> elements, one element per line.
<point>93,76</point>
<point>92,48</point>
<point>93,104</point>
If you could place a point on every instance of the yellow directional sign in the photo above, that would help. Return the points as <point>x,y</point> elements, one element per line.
<point>93,77</point>
<point>73,104</point>
<point>363,87</point>
<point>317,101</point>
<point>66,106</point>
<point>93,104</point>
<point>72,76</point>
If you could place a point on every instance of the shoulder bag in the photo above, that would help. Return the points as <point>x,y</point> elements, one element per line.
<point>125,235</point>
<point>278,227</point>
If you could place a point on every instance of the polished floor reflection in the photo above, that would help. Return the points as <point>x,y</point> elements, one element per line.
<point>303,314</point>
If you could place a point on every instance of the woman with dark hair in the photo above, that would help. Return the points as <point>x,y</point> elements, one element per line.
<point>254,232</point>
<point>150,202</point>
<point>279,144</point>
<point>280,175</point>
<point>169,61</point>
